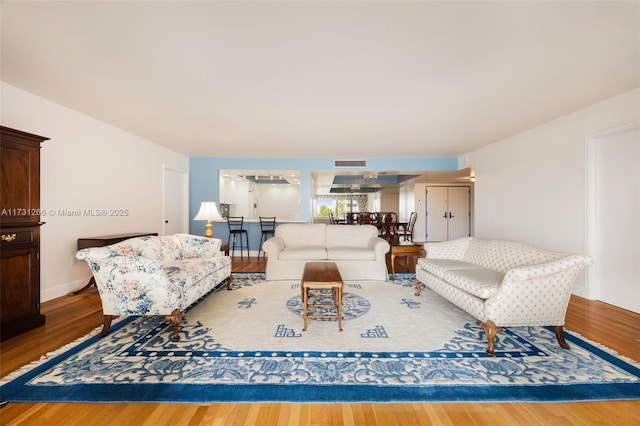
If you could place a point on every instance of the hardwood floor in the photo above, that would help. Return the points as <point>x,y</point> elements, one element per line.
<point>71,317</point>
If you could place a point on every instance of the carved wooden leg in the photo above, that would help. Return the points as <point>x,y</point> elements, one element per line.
<point>491,330</point>
<point>106,325</point>
<point>560,336</point>
<point>91,283</point>
<point>229,279</point>
<point>175,318</point>
<point>418,287</point>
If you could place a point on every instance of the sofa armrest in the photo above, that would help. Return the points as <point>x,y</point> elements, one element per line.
<point>380,246</point>
<point>535,294</point>
<point>273,246</point>
<point>94,253</point>
<point>130,285</point>
<point>524,273</point>
<point>453,249</point>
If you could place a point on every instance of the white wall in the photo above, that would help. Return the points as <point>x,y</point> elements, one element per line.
<point>531,186</point>
<point>87,164</point>
<point>281,201</point>
<point>240,195</point>
<point>389,200</point>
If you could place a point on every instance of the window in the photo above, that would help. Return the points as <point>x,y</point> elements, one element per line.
<point>324,207</point>
<point>339,205</point>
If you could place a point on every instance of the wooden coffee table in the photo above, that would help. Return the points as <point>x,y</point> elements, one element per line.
<point>322,276</point>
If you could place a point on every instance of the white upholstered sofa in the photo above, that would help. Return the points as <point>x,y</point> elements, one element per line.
<point>156,275</point>
<point>502,283</point>
<point>356,249</point>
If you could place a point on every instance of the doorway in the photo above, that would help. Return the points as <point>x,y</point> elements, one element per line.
<point>174,202</point>
<point>448,212</point>
<point>613,216</point>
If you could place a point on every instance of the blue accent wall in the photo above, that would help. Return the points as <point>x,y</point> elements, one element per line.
<point>204,178</point>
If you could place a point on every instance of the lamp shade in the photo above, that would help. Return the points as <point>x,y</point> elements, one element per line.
<point>208,211</point>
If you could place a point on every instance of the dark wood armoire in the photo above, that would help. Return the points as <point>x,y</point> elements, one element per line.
<point>20,222</point>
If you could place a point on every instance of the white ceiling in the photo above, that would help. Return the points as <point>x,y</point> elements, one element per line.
<point>350,79</point>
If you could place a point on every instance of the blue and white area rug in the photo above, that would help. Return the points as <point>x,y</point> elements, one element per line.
<point>247,345</point>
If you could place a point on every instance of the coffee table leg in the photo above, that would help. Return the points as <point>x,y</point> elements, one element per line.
<point>339,308</point>
<point>305,296</point>
<point>393,267</point>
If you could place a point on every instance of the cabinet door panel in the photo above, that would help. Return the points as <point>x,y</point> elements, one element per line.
<point>19,297</point>
<point>19,183</point>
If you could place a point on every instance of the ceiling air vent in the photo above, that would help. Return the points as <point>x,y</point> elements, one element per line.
<point>349,163</point>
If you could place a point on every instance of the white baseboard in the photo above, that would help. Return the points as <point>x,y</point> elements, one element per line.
<point>63,289</point>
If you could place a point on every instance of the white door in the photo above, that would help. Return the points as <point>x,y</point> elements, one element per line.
<point>459,211</point>
<point>615,243</point>
<point>175,202</point>
<point>448,211</point>
<point>437,213</point>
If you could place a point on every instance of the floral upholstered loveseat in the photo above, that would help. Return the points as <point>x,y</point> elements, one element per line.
<point>502,283</point>
<point>156,275</point>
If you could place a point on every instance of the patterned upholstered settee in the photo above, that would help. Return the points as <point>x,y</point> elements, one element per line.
<point>502,283</point>
<point>156,275</point>
<point>356,249</point>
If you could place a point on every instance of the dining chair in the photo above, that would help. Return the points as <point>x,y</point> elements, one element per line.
<point>378,219</point>
<point>365,218</point>
<point>236,229</point>
<point>267,228</point>
<point>407,233</point>
<point>388,226</point>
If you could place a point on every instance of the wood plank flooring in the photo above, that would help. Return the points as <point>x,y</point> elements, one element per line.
<point>71,317</point>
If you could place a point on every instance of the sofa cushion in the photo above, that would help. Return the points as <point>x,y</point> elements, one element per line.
<point>452,249</point>
<point>503,255</point>
<point>304,253</point>
<point>130,247</point>
<point>481,282</point>
<point>474,279</point>
<point>134,263</point>
<point>187,272</point>
<point>159,249</point>
<point>171,249</point>
<point>439,267</point>
<point>302,235</point>
<point>196,246</point>
<point>350,235</point>
<point>350,253</point>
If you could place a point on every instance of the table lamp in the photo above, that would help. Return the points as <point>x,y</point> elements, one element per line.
<point>208,211</point>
